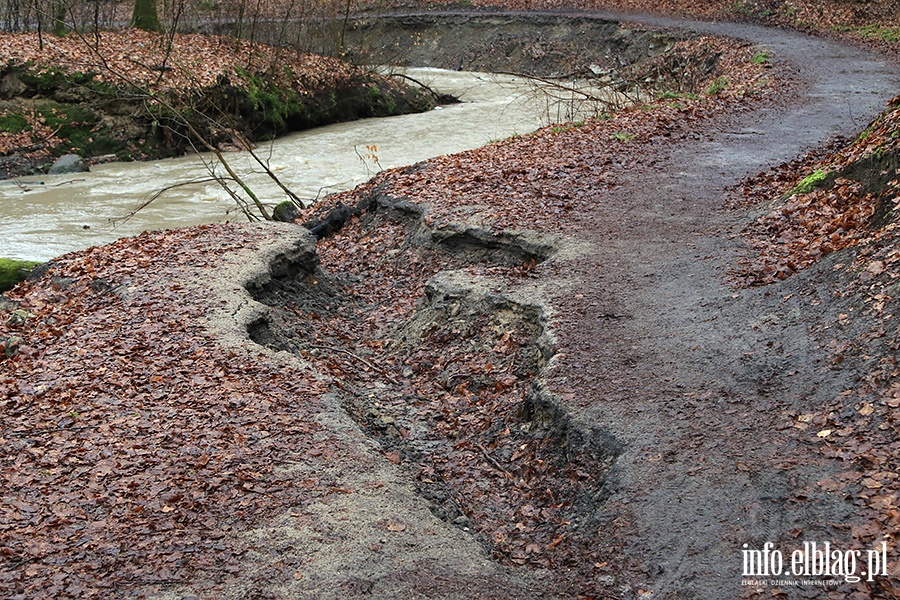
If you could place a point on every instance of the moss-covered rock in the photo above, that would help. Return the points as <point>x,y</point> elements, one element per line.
<point>13,271</point>
<point>286,212</point>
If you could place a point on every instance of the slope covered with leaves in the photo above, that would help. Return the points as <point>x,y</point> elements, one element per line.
<point>136,447</point>
<point>133,442</point>
<point>837,211</point>
<point>847,198</point>
<point>171,63</point>
<point>135,94</point>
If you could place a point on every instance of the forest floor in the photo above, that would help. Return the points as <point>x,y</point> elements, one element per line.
<point>598,361</point>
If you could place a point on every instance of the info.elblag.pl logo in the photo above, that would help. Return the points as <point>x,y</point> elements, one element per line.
<point>812,563</point>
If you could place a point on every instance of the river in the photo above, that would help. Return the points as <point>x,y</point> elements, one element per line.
<point>42,217</point>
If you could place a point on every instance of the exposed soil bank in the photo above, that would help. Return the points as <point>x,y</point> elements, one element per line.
<point>542,45</point>
<point>118,113</point>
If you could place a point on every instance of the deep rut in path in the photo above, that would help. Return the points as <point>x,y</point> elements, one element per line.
<point>449,391</point>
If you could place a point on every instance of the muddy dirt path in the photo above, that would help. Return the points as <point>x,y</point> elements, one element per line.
<point>691,384</point>
<point>695,378</point>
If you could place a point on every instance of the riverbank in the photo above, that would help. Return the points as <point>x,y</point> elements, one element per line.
<point>136,96</point>
<point>869,23</point>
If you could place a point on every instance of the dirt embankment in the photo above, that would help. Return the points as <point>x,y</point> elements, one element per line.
<point>137,96</point>
<point>541,45</point>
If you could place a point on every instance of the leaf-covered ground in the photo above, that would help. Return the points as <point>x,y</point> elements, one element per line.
<point>468,380</point>
<point>134,444</point>
<point>137,448</point>
<point>845,197</point>
<point>193,60</point>
<point>127,93</point>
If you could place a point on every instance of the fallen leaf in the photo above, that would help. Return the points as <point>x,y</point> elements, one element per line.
<point>876,267</point>
<point>396,526</point>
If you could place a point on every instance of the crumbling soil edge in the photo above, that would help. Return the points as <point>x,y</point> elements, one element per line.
<point>463,569</point>
<point>454,292</point>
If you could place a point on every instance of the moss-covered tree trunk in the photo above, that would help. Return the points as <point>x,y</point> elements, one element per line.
<point>59,17</point>
<point>145,16</point>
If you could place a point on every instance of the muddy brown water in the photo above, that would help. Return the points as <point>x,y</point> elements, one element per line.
<point>44,216</point>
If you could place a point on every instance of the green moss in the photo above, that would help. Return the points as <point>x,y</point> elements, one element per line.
<point>275,106</point>
<point>717,86</point>
<point>566,126</point>
<point>760,58</point>
<point>379,102</point>
<point>809,183</point>
<point>13,271</point>
<point>14,123</point>
<point>46,80</point>
<point>875,31</point>
<point>623,137</point>
<point>75,124</point>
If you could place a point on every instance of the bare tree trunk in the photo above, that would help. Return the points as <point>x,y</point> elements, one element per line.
<point>145,15</point>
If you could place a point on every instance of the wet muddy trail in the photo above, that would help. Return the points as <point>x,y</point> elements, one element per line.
<point>699,381</point>
<point>668,389</point>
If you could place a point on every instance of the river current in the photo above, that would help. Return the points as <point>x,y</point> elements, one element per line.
<point>43,217</point>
